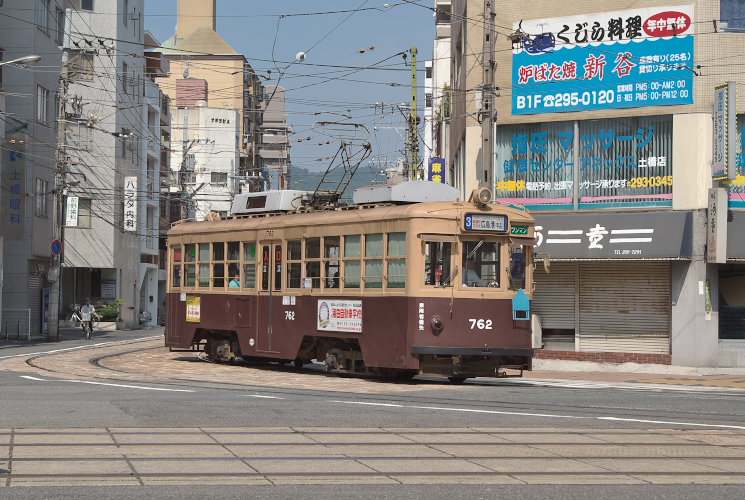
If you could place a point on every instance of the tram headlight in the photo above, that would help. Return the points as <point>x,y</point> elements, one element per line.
<point>481,196</point>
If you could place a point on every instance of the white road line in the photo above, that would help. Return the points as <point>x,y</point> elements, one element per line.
<point>637,386</point>
<point>548,415</point>
<point>718,426</point>
<point>128,386</point>
<point>32,378</point>
<point>87,346</point>
<point>469,410</point>
<point>262,396</point>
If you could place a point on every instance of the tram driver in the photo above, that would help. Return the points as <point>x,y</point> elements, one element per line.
<point>470,275</point>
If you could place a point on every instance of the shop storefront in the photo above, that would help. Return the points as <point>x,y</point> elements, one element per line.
<point>606,286</point>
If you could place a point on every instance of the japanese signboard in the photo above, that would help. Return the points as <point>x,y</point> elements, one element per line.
<point>130,203</point>
<point>591,162</point>
<point>193,309</point>
<point>604,236</point>
<point>737,186</point>
<point>340,316</point>
<point>723,165</point>
<point>736,236</point>
<point>607,60</point>
<point>716,226</point>
<point>108,289</point>
<point>483,222</point>
<point>13,186</point>
<point>436,172</point>
<point>71,211</point>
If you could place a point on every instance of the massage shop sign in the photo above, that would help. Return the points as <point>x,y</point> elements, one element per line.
<point>622,59</point>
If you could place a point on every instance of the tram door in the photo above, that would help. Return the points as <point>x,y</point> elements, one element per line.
<point>270,295</point>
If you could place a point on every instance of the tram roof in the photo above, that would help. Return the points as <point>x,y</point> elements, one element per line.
<point>355,213</point>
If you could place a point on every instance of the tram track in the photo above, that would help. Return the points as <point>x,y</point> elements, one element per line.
<point>409,398</point>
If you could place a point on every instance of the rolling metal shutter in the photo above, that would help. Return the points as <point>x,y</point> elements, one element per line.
<point>554,295</point>
<point>624,307</point>
<point>36,282</point>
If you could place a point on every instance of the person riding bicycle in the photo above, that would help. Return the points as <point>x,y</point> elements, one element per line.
<point>87,312</point>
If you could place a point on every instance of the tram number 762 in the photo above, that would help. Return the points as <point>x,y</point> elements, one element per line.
<point>480,324</point>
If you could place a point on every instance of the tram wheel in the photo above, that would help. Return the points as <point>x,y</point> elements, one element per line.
<point>457,380</point>
<point>299,363</point>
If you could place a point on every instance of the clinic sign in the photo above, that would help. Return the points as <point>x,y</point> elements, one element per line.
<point>623,59</point>
<point>339,316</point>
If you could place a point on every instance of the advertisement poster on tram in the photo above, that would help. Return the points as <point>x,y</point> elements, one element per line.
<point>193,309</point>
<point>608,60</point>
<point>340,316</point>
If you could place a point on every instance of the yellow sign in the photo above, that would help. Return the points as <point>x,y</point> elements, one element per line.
<point>193,309</point>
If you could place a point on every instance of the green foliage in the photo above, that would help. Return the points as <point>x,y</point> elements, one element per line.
<point>108,312</point>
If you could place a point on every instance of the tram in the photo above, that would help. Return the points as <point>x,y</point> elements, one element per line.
<point>394,285</point>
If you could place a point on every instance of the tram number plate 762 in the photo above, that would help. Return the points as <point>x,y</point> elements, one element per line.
<point>480,324</point>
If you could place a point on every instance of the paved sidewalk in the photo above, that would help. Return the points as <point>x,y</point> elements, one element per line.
<point>318,455</point>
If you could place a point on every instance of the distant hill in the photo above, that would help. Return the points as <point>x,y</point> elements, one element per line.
<point>307,180</point>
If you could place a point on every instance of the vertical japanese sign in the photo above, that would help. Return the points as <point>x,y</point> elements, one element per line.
<point>737,186</point>
<point>608,60</point>
<point>130,203</point>
<point>71,211</point>
<point>13,190</point>
<point>436,171</point>
<point>724,160</point>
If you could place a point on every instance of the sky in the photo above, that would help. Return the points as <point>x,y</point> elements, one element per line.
<point>373,35</point>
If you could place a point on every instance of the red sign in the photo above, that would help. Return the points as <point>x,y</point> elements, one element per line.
<point>668,23</point>
<point>56,247</point>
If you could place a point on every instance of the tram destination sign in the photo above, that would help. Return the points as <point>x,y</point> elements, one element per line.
<point>485,222</point>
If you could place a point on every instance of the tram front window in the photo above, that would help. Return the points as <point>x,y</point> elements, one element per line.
<point>437,263</point>
<point>480,264</point>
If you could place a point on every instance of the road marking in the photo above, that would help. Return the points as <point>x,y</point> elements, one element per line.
<point>548,415</point>
<point>87,346</point>
<point>469,410</point>
<point>32,378</point>
<point>720,426</point>
<point>262,396</point>
<point>128,386</point>
<point>633,386</point>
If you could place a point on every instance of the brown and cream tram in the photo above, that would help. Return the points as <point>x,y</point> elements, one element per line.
<point>389,289</point>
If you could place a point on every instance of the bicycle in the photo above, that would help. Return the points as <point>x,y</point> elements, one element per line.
<point>74,320</point>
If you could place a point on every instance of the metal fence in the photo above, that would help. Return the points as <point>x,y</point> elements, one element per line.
<point>15,324</point>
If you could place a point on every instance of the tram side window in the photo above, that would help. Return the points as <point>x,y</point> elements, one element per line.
<point>294,264</point>
<point>313,262</point>
<point>190,267</point>
<point>480,264</point>
<point>437,270</point>
<point>352,266</point>
<point>266,263</point>
<point>249,265</point>
<point>204,265</point>
<point>234,264</point>
<point>331,247</point>
<point>517,266</point>
<point>218,265</point>
<point>176,259</point>
<point>374,260</point>
<point>396,266</point>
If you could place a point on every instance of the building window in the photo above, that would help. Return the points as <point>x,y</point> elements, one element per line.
<point>79,136</point>
<point>60,18</point>
<point>126,12</point>
<point>42,15</point>
<point>219,178</point>
<point>81,66</point>
<point>84,212</point>
<point>125,78</point>
<point>41,192</point>
<point>732,15</point>
<point>86,5</point>
<point>42,104</point>
<point>2,54</point>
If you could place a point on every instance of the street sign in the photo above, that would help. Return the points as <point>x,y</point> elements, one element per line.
<point>56,247</point>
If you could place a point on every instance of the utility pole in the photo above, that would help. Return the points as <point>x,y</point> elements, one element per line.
<point>487,114</point>
<point>413,129</point>
<point>58,220</point>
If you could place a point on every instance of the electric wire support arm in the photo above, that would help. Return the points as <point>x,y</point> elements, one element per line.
<point>354,148</point>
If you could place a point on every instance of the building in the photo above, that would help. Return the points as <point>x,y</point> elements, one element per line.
<point>205,158</point>
<point>275,142</point>
<point>28,117</point>
<point>197,51</point>
<point>114,145</point>
<point>441,86</point>
<point>605,132</point>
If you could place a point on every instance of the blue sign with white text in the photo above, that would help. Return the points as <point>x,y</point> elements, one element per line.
<point>607,61</point>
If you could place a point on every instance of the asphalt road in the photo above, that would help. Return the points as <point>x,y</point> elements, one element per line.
<point>36,400</point>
